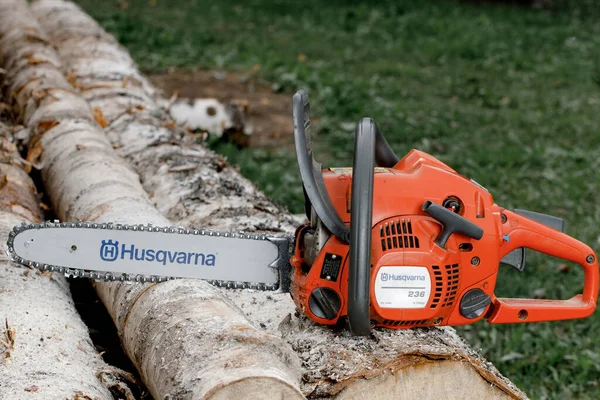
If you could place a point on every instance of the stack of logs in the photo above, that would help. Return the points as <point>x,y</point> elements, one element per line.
<point>108,150</point>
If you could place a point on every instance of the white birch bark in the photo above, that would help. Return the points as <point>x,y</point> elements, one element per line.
<point>184,338</point>
<point>194,187</point>
<point>45,348</point>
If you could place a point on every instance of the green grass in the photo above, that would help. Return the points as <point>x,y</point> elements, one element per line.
<point>509,96</point>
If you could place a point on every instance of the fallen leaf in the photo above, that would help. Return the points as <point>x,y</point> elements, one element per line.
<point>44,126</point>
<point>169,124</point>
<point>72,79</point>
<point>99,117</point>
<point>33,156</point>
<point>33,388</point>
<point>32,60</point>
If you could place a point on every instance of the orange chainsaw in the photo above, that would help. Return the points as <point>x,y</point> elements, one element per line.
<point>406,243</point>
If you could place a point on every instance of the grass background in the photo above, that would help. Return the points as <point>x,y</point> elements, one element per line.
<point>507,95</point>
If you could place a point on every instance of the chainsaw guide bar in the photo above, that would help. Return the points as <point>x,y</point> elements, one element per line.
<point>168,264</point>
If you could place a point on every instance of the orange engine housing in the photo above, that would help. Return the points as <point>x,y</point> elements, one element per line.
<point>415,282</point>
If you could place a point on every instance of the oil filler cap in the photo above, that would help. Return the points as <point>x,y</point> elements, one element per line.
<point>473,303</point>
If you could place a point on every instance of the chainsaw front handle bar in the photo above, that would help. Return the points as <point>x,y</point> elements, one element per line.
<point>520,231</point>
<point>361,221</point>
<point>310,171</point>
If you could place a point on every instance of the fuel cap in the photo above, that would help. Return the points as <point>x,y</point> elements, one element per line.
<point>473,303</point>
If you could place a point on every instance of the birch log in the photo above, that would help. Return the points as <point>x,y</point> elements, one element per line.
<point>45,348</point>
<point>194,187</point>
<point>192,343</point>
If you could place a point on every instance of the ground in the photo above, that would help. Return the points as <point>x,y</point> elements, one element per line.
<point>507,95</point>
<point>268,112</point>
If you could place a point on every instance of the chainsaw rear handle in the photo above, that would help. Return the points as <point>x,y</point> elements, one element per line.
<point>519,231</point>
<point>361,221</point>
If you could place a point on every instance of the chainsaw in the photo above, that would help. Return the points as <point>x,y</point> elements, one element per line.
<point>395,243</point>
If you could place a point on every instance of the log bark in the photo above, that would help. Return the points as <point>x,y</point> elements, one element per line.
<point>195,188</point>
<point>45,348</point>
<point>193,344</point>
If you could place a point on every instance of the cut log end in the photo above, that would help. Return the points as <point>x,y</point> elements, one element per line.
<point>261,388</point>
<point>438,380</point>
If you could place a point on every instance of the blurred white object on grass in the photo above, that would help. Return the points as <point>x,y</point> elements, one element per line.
<point>212,116</point>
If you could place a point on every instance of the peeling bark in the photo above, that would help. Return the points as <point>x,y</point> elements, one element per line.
<point>196,188</point>
<point>45,348</point>
<point>185,348</point>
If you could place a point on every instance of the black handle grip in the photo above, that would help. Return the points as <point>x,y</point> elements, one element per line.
<point>452,223</point>
<point>310,170</point>
<point>361,220</point>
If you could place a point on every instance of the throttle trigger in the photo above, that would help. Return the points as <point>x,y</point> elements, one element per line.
<point>515,259</point>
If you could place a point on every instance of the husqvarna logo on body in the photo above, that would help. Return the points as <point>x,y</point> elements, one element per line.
<point>110,251</point>
<point>399,277</point>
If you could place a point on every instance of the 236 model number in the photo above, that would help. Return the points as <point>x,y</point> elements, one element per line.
<point>416,293</point>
